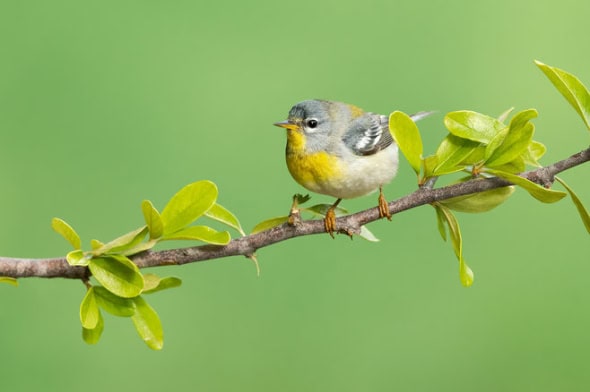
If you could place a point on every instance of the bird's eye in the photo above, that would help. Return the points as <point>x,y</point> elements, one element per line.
<point>312,123</point>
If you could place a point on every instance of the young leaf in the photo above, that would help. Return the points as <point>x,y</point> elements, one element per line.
<point>479,202</point>
<point>430,162</point>
<point>301,199</point>
<point>92,336</point>
<point>514,144</point>
<point>187,205</point>
<point>117,274</point>
<point>154,283</point>
<point>578,203</point>
<point>440,220</point>
<point>465,273</point>
<point>496,142</point>
<point>95,244</point>
<point>450,154</point>
<point>9,280</point>
<point>77,257</point>
<point>269,224</point>
<point>221,214</point>
<point>407,136</point>
<point>571,88</point>
<point>89,313</point>
<point>521,118</point>
<point>148,325</point>
<point>516,166</point>
<point>473,126</point>
<point>322,209</point>
<point>152,219</point>
<point>113,304</point>
<point>535,151</point>
<point>538,192</point>
<point>510,143</point>
<point>67,232</point>
<point>200,233</point>
<point>123,243</point>
<point>368,234</point>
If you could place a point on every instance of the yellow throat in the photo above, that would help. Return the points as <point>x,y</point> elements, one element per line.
<point>314,170</point>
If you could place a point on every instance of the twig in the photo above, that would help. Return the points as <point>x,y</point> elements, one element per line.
<point>247,245</point>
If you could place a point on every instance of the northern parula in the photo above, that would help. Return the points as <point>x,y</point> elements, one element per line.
<point>339,150</point>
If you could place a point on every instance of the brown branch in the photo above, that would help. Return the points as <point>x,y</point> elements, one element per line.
<point>246,246</point>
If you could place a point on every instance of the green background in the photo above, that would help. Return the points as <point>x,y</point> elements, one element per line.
<point>104,104</point>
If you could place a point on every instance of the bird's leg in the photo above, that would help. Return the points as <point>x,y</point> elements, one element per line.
<point>330,219</point>
<point>383,206</point>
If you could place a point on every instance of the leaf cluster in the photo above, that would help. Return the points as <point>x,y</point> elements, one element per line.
<point>121,285</point>
<point>482,146</point>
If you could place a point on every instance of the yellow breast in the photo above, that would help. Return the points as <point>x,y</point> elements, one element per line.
<point>314,171</point>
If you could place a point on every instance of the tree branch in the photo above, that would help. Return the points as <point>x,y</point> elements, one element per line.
<point>247,245</point>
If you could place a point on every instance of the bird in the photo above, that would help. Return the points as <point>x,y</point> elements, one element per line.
<point>338,149</point>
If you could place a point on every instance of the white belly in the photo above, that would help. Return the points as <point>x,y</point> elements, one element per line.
<point>364,175</point>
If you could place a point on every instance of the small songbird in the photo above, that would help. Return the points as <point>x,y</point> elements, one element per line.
<point>339,150</point>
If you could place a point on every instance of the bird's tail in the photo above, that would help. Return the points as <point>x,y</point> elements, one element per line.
<point>420,115</point>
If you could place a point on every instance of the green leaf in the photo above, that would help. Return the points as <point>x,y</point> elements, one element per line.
<point>152,219</point>
<point>538,192</point>
<point>535,151</point>
<point>117,274</point>
<point>200,233</point>
<point>300,199</point>
<point>148,325</point>
<point>521,118</point>
<point>465,273</point>
<point>77,257</point>
<point>67,232</point>
<point>578,203</point>
<point>322,209</point>
<point>430,163</point>
<point>367,234</point>
<point>454,231</point>
<point>9,280</point>
<point>496,142</point>
<point>516,166</point>
<point>187,205</point>
<point>123,243</point>
<point>473,126</point>
<point>571,88</point>
<point>221,214</point>
<point>407,136</point>
<point>89,313</point>
<point>153,283</point>
<point>516,141</point>
<point>269,224</point>
<point>96,244</point>
<point>451,153</point>
<point>92,336</point>
<point>113,304</point>
<point>440,220</point>
<point>479,202</point>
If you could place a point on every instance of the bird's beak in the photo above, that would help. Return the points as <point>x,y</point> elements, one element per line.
<point>287,125</point>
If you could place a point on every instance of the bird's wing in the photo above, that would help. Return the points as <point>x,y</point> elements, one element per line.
<point>368,134</point>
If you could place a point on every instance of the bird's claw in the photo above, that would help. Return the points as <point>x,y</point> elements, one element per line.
<point>383,207</point>
<point>330,222</point>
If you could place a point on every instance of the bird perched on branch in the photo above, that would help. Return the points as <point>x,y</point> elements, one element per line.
<point>339,150</point>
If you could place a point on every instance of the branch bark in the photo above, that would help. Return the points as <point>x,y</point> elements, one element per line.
<point>247,245</point>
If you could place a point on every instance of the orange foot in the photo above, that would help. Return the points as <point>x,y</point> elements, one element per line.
<point>330,219</point>
<point>383,206</point>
